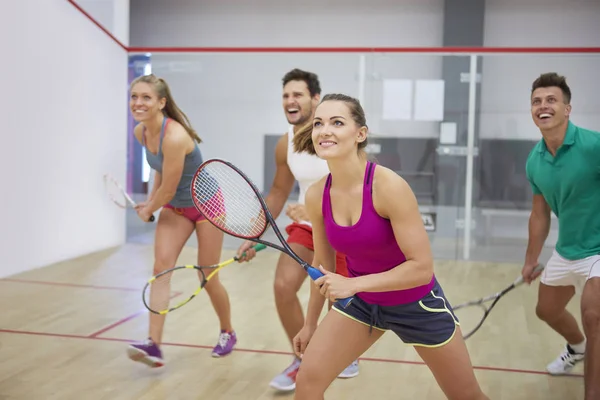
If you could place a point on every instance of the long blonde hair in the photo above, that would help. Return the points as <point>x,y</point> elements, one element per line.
<point>171,110</point>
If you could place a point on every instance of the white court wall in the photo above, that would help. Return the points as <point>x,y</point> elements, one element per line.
<point>234,99</point>
<point>506,79</point>
<point>64,125</point>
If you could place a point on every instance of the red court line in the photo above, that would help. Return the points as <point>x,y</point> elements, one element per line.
<point>117,41</point>
<point>275,352</point>
<point>467,50</point>
<point>77,285</point>
<point>123,320</point>
<point>115,324</point>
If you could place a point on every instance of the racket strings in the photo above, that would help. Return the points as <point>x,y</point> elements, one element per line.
<point>226,198</point>
<point>169,290</point>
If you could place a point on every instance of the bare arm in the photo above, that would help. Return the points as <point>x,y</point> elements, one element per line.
<point>394,199</point>
<point>324,254</point>
<point>539,227</point>
<point>137,132</point>
<point>283,182</point>
<point>174,148</point>
<point>155,185</point>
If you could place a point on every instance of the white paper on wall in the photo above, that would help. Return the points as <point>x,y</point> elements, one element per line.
<point>429,100</point>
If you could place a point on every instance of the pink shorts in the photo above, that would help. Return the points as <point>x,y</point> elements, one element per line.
<point>190,213</point>
<point>216,209</point>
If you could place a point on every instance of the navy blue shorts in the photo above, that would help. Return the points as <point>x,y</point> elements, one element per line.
<point>429,322</point>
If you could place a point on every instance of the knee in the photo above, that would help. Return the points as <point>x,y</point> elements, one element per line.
<point>545,313</point>
<point>213,284</point>
<point>162,263</point>
<point>283,289</point>
<point>286,285</point>
<point>591,321</point>
<point>309,384</point>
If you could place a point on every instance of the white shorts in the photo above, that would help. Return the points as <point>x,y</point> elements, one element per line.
<point>562,272</point>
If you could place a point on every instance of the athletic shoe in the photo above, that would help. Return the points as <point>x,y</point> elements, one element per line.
<point>146,352</point>
<point>227,341</point>
<point>565,362</point>
<point>351,370</point>
<point>286,381</point>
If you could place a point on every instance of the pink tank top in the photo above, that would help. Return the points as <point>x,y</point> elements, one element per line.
<point>369,245</point>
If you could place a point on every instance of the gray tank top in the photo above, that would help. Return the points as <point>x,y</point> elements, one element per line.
<point>183,196</point>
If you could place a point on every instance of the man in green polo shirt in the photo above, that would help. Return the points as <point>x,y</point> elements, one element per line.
<point>564,172</point>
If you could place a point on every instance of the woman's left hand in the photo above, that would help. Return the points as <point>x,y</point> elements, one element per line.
<point>335,286</point>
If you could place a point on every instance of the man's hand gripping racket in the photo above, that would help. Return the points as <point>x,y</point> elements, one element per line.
<point>227,198</point>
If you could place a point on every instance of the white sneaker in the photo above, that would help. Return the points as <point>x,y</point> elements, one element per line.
<point>286,381</point>
<point>351,371</point>
<point>565,362</point>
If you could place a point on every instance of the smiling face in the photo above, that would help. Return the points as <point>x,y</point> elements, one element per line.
<point>339,129</point>
<point>298,105</point>
<point>549,108</point>
<point>144,102</point>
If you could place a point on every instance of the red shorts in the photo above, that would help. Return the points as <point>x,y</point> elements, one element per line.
<point>302,235</point>
<point>190,213</point>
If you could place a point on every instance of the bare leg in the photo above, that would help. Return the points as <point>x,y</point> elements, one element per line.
<point>289,277</point>
<point>337,342</point>
<point>590,311</point>
<point>551,308</point>
<point>172,231</point>
<point>452,369</point>
<point>210,242</point>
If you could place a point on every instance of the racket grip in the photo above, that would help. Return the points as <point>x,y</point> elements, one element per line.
<point>316,274</point>
<point>259,247</point>
<point>151,219</point>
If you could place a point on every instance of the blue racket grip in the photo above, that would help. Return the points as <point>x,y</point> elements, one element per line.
<point>316,274</point>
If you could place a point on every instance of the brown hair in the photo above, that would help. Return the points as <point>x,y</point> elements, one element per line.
<point>171,110</point>
<point>311,79</point>
<point>303,138</point>
<point>550,79</point>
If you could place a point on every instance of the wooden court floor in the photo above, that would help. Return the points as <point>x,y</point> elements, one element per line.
<point>64,330</point>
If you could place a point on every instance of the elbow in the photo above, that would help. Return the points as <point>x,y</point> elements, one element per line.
<point>425,272</point>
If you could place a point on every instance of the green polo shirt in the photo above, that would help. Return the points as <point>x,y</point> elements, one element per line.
<point>570,183</point>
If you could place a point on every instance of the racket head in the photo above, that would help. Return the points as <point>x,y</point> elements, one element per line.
<point>173,288</point>
<point>228,199</point>
<point>471,317</point>
<point>114,191</point>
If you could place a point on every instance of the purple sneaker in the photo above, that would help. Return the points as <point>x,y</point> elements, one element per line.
<point>147,353</point>
<point>227,341</point>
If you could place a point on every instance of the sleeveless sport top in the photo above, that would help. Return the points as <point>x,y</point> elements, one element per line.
<point>369,245</point>
<point>183,196</point>
<point>306,168</point>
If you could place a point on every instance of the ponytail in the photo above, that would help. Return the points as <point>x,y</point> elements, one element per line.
<point>302,140</point>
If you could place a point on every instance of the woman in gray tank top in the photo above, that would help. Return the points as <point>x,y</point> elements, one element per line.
<point>172,151</point>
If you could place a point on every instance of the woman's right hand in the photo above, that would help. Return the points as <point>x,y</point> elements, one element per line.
<point>246,247</point>
<point>302,338</point>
